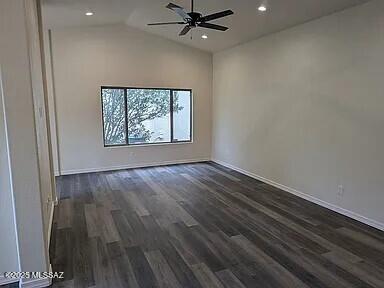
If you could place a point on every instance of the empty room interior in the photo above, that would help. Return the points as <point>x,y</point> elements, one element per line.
<point>198,144</point>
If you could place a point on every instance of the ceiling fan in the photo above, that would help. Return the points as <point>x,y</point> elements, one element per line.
<point>195,19</point>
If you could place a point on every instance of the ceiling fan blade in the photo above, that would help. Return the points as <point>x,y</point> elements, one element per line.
<point>185,30</point>
<point>173,6</point>
<point>179,10</point>
<point>165,23</point>
<point>213,26</point>
<point>216,15</point>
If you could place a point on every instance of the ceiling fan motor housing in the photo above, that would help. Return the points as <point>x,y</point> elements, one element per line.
<point>195,18</point>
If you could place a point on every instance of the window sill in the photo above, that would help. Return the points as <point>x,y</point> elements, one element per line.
<point>148,145</point>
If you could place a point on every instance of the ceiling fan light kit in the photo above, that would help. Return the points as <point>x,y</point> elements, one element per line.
<point>262,8</point>
<point>194,19</point>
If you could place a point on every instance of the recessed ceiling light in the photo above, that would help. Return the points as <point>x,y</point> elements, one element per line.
<point>204,36</point>
<point>262,8</point>
<point>89,13</point>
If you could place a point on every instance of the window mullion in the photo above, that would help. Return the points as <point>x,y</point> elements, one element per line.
<point>171,113</point>
<point>190,115</point>
<point>126,117</point>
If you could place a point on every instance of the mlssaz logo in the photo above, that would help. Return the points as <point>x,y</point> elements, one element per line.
<point>34,275</point>
<point>51,275</point>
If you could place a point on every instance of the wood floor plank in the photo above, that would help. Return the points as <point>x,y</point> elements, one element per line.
<point>203,225</point>
<point>65,214</point>
<point>82,254</point>
<point>268,264</point>
<point>64,252</point>
<point>92,221</point>
<point>202,249</point>
<point>178,236</point>
<point>107,227</point>
<point>228,279</point>
<point>141,268</point>
<point>218,248</point>
<point>136,203</point>
<point>163,273</point>
<point>102,265</point>
<point>213,168</point>
<point>178,242</point>
<point>123,270</point>
<point>363,238</point>
<point>206,277</point>
<point>124,229</point>
<point>159,235</point>
<point>367,276</point>
<point>245,276</point>
<point>64,284</point>
<point>181,270</point>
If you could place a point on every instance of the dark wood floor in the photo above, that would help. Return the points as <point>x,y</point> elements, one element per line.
<point>13,285</point>
<point>203,225</point>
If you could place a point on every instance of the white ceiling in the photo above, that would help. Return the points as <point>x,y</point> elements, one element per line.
<point>246,24</point>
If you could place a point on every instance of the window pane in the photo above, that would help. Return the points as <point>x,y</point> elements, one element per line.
<point>181,116</point>
<point>114,116</point>
<point>149,118</point>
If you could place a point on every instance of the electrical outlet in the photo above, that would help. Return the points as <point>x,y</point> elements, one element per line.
<point>340,190</point>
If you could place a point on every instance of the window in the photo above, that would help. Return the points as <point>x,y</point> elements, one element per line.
<point>114,116</point>
<point>149,119</point>
<point>181,115</point>
<point>134,116</point>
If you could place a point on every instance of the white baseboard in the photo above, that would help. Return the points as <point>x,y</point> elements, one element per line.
<point>5,281</point>
<point>305,196</point>
<point>130,166</point>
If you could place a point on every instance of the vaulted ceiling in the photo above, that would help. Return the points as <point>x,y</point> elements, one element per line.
<point>246,24</point>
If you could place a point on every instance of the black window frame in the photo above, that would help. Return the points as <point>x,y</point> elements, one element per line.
<point>171,90</point>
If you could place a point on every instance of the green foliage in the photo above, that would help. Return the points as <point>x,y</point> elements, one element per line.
<point>114,119</point>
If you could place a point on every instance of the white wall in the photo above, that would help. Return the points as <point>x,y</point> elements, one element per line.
<point>304,108</point>
<point>17,62</point>
<point>86,58</point>
<point>39,103</point>
<point>51,98</point>
<point>9,260</point>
